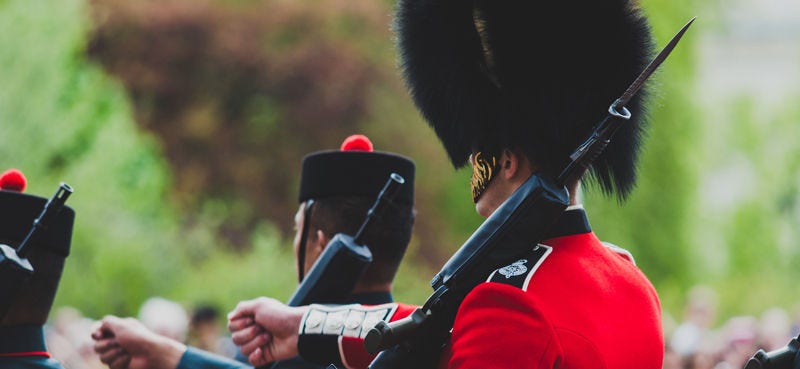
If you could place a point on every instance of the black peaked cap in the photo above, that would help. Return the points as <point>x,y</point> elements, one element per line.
<point>19,210</point>
<point>534,75</point>
<point>354,173</point>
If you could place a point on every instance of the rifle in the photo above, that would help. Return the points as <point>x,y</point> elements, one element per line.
<point>334,274</point>
<point>416,341</point>
<point>15,268</point>
<point>787,357</point>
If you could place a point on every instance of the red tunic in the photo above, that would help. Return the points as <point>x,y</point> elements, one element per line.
<point>585,305</point>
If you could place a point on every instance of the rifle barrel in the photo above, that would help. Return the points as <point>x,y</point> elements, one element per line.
<point>387,194</point>
<point>51,209</point>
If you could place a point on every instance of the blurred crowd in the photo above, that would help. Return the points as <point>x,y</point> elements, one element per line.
<point>693,343</point>
<point>696,343</point>
<point>68,335</point>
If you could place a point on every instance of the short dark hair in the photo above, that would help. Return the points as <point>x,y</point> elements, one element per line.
<point>204,313</point>
<point>387,238</point>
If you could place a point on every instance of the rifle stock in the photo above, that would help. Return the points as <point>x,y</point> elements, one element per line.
<point>526,215</point>
<point>787,357</point>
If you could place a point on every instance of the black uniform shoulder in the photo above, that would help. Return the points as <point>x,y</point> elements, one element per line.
<point>519,273</point>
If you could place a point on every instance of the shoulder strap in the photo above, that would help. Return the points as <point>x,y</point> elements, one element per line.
<point>519,273</point>
<point>620,251</point>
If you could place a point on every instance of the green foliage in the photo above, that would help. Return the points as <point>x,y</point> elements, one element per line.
<point>753,226</point>
<point>237,107</point>
<point>62,118</point>
<point>224,278</point>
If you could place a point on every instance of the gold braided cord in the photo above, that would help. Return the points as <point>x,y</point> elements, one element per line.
<point>484,167</point>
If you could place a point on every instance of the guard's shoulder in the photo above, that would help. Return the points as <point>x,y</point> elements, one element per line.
<point>520,272</point>
<point>619,251</point>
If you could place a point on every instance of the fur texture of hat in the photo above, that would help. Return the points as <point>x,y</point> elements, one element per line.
<point>529,75</point>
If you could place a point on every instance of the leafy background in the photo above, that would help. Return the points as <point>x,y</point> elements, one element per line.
<point>181,125</point>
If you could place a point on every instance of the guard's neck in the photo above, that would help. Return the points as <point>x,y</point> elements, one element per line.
<point>362,287</point>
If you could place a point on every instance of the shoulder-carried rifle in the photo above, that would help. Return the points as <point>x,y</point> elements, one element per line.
<point>787,357</point>
<point>335,272</point>
<point>524,218</point>
<point>332,277</point>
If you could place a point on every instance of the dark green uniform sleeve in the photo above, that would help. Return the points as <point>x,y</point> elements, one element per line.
<point>195,358</point>
<point>29,363</point>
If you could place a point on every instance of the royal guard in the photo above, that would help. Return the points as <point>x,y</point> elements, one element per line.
<point>337,190</point>
<point>328,177</point>
<point>30,273</point>
<point>513,88</point>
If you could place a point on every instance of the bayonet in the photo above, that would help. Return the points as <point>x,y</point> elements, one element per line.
<point>583,157</point>
<point>640,80</point>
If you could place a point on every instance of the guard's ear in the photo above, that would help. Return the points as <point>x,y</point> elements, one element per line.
<point>509,164</point>
<point>322,240</point>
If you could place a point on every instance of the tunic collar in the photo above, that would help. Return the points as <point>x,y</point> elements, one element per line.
<point>22,339</point>
<point>572,221</point>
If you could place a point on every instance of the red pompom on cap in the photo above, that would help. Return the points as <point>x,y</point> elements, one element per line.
<point>13,180</point>
<point>357,143</point>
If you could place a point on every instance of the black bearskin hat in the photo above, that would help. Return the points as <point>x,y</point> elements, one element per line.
<point>533,75</point>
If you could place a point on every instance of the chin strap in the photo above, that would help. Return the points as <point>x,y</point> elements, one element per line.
<point>301,250</point>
